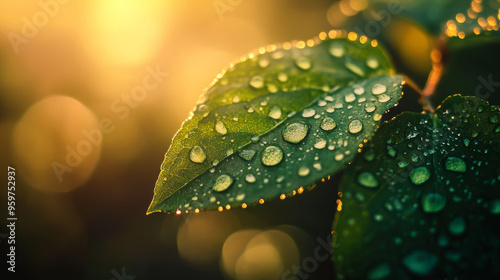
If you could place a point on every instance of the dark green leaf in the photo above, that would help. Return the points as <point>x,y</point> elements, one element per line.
<point>422,201</point>
<point>255,99</point>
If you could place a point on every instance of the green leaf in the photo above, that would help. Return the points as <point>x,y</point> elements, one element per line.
<point>422,201</point>
<point>448,16</point>
<point>256,99</point>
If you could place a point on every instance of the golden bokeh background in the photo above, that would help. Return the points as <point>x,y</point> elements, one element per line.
<point>91,94</point>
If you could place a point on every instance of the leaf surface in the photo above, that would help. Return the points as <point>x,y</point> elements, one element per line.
<point>422,201</point>
<point>249,107</point>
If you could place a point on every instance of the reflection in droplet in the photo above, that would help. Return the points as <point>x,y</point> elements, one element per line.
<point>197,154</point>
<point>295,132</point>
<point>272,155</point>
<point>222,183</point>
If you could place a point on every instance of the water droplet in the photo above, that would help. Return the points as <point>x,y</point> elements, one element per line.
<point>336,50</point>
<point>257,82</point>
<point>272,155</point>
<point>414,158</point>
<point>247,154</point>
<point>203,110</point>
<point>339,157</point>
<point>402,164</point>
<point>377,117</point>
<point>420,175</point>
<point>322,103</point>
<point>303,63</point>
<point>350,97</point>
<point>328,124</point>
<point>250,178</point>
<point>320,143</point>
<point>433,202</point>
<point>309,112</point>
<point>383,98</point>
<point>282,77</point>
<point>222,183</point>
<point>263,62</point>
<point>372,62</point>
<point>455,164</point>
<point>391,151</point>
<point>494,119</point>
<point>359,90</point>
<point>240,197</point>
<point>255,139</point>
<point>355,126</point>
<point>420,262</point>
<point>367,179</point>
<point>369,107</point>
<point>220,128</point>
<point>457,226</point>
<point>304,171</point>
<point>197,154</point>
<point>275,112</point>
<point>378,89</point>
<point>295,132</point>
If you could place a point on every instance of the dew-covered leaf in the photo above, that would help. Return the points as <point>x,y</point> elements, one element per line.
<point>422,201</point>
<point>256,99</point>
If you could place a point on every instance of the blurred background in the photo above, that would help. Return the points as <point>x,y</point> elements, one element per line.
<point>135,69</point>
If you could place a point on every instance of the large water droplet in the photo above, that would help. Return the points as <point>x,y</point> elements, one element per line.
<point>433,202</point>
<point>420,175</point>
<point>222,183</point>
<point>455,164</point>
<point>309,112</point>
<point>250,178</point>
<point>457,226</point>
<point>272,155</point>
<point>370,107</point>
<point>295,132</point>
<point>420,262</point>
<point>383,98</point>
<point>494,119</point>
<point>336,50</point>
<point>350,97</point>
<point>275,112</point>
<point>247,154</point>
<point>257,82</point>
<point>378,89</point>
<point>355,126</point>
<point>367,179</point>
<point>197,154</point>
<point>304,171</point>
<point>203,110</point>
<point>320,143</point>
<point>303,63</point>
<point>220,128</point>
<point>377,117</point>
<point>328,124</point>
